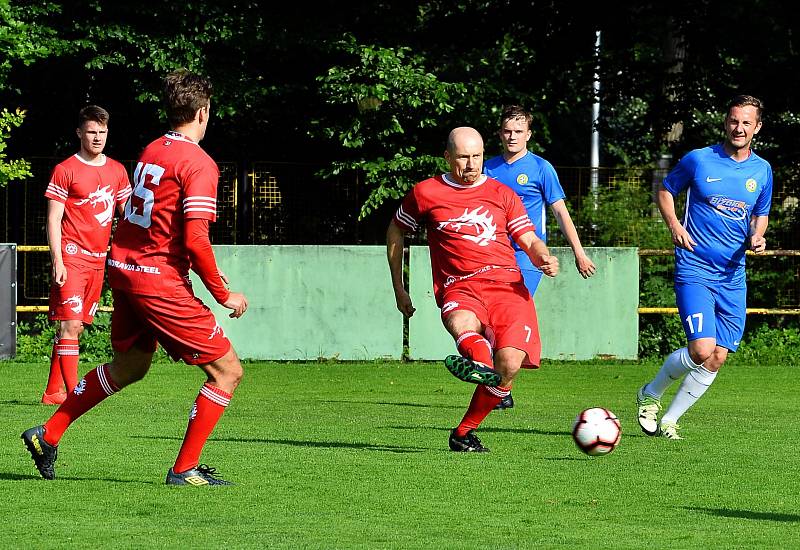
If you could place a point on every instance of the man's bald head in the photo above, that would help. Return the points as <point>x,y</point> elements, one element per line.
<point>465,155</point>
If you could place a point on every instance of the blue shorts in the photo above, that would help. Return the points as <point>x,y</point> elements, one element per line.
<point>530,272</point>
<point>713,310</point>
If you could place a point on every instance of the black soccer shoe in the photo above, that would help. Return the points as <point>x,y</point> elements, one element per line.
<point>42,453</point>
<point>202,475</point>
<point>471,371</point>
<point>467,444</point>
<point>506,403</point>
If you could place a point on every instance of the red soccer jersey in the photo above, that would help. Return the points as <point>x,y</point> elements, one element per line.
<point>174,180</point>
<point>468,229</point>
<point>90,193</point>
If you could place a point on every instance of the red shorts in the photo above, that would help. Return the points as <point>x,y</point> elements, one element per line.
<point>182,324</point>
<point>506,311</point>
<point>78,298</point>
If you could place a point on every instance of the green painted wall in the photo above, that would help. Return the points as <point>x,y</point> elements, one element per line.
<point>307,302</point>
<point>578,319</point>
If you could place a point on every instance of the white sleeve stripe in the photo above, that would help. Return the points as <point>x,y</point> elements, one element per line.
<point>199,203</point>
<point>520,222</point>
<point>405,218</point>
<point>56,190</point>
<point>522,217</point>
<point>209,210</point>
<point>200,198</point>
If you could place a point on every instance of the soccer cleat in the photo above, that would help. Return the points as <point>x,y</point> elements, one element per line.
<point>471,371</point>
<point>670,430</point>
<point>506,403</point>
<point>648,412</point>
<point>467,444</point>
<point>42,453</point>
<point>54,398</point>
<point>202,475</point>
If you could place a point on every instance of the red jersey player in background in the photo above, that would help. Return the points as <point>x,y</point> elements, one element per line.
<point>81,196</point>
<point>477,283</point>
<point>163,234</point>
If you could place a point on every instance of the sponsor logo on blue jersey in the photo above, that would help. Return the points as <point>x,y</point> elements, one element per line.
<point>729,208</point>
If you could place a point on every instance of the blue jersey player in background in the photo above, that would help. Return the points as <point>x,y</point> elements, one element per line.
<point>536,182</point>
<point>728,196</point>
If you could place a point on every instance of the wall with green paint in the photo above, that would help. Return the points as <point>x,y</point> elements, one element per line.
<point>578,318</point>
<point>310,302</point>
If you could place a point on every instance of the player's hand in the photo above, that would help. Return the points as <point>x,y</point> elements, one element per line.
<point>585,266</point>
<point>404,304</point>
<point>549,265</point>
<point>223,277</point>
<point>238,303</point>
<point>758,243</point>
<point>59,273</point>
<point>681,237</point>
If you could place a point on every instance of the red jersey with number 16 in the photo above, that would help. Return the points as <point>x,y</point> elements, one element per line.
<point>175,180</point>
<point>468,229</point>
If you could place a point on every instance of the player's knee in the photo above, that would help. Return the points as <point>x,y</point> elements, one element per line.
<point>701,352</point>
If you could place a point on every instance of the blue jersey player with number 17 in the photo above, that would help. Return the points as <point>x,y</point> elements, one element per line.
<point>728,196</point>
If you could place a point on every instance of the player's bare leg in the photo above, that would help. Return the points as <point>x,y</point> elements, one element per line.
<point>224,375</point>
<point>473,365</point>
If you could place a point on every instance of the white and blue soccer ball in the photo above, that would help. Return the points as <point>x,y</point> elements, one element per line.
<point>596,431</point>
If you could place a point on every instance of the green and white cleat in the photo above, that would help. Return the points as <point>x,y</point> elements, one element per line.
<point>648,412</point>
<point>670,430</point>
<point>472,371</point>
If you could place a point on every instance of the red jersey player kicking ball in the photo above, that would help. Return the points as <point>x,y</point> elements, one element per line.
<point>81,197</point>
<point>477,283</point>
<point>163,234</point>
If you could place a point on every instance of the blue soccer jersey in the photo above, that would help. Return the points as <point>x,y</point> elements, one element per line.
<point>534,180</point>
<point>721,196</point>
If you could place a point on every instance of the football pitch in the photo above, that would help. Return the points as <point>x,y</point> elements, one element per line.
<point>354,455</point>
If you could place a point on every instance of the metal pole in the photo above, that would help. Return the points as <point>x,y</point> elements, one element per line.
<point>594,157</point>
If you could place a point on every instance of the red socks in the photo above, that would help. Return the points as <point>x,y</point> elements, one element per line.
<point>54,379</point>
<point>206,412</point>
<point>483,402</point>
<point>68,356</point>
<point>474,346</point>
<point>94,387</point>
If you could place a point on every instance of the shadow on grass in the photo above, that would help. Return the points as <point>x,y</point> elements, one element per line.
<point>526,431</point>
<point>313,444</point>
<point>746,514</point>
<point>396,404</point>
<point>6,476</point>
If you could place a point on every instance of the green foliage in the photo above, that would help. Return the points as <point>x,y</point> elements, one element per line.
<point>15,168</point>
<point>385,102</point>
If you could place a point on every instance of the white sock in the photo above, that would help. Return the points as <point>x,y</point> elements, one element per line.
<point>691,389</point>
<point>675,366</point>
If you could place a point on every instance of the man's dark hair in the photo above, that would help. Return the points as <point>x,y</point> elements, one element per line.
<point>93,113</point>
<point>514,112</point>
<point>184,93</point>
<point>744,101</point>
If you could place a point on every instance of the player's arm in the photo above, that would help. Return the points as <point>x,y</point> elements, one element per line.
<point>758,226</point>
<point>395,240</point>
<point>538,252</point>
<point>204,264</point>
<point>585,266</point>
<point>666,205</point>
<point>55,214</point>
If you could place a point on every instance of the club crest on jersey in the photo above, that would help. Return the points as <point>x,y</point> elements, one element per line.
<point>751,185</point>
<point>103,197</point>
<point>481,224</point>
<point>71,248</point>
<point>522,179</point>
<point>75,303</point>
<point>729,208</point>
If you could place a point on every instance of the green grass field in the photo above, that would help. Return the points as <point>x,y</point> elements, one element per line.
<point>347,455</point>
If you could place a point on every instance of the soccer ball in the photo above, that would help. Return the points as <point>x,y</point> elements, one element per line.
<point>596,431</point>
